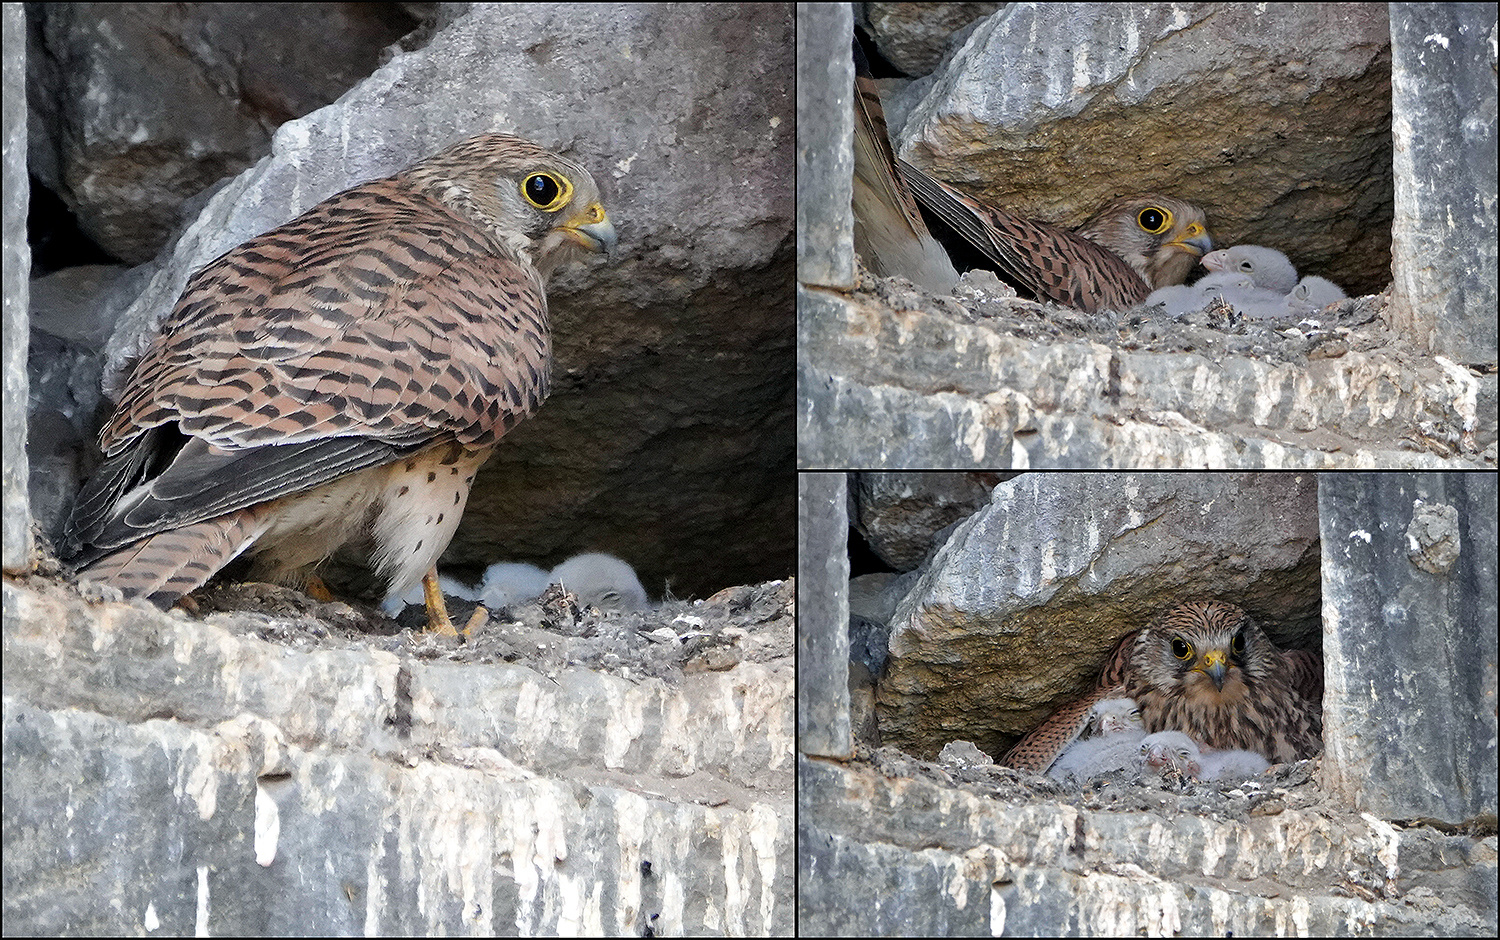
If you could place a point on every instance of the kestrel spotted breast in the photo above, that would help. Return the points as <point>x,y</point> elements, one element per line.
<point>341,378</point>
<point>1204,668</point>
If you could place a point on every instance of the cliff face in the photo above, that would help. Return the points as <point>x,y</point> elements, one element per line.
<point>270,771</point>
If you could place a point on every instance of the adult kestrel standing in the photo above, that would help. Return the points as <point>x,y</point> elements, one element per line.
<point>1204,668</point>
<point>341,378</point>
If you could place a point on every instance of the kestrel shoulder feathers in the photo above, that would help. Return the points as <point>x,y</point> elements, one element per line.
<point>1204,668</point>
<point>340,378</point>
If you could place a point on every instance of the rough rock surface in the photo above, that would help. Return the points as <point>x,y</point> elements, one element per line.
<point>899,513</point>
<point>1031,593</point>
<point>894,377</point>
<point>275,769</point>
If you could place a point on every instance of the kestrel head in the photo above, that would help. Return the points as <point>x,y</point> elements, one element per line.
<point>542,207</point>
<point>1210,652</point>
<point>1161,237</point>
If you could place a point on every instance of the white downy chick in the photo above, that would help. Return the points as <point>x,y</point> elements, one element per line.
<point>1267,267</point>
<point>1170,751</point>
<point>511,582</point>
<point>1231,765</point>
<point>1315,293</point>
<point>602,580</point>
<point>1116,727</point>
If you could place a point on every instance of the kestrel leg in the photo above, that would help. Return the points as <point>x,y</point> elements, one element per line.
<point>438,620</point>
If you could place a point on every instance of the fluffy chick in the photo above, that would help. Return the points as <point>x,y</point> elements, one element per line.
<point>1267,267</point>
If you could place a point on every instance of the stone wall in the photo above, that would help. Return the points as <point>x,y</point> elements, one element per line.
<point>259,773</point>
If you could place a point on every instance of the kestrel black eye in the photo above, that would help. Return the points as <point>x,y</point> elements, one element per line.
<point>545,191</point>
<point>1154,220</point>
<point>1181,649</point>
<point>1237,645</point>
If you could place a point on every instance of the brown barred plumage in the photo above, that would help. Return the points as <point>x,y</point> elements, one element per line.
<point>1208,670</point>
<point>340,377</point>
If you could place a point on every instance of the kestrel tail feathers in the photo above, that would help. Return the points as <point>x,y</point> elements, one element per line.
<point>889,232</point>
<point>1126,250</point>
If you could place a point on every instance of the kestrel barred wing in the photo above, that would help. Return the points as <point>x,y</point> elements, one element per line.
<point>1039,749</point>
<point>340,377</point>
<point>1126,250</point>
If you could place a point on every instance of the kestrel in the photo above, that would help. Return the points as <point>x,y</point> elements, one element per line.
<point>1233,764</point>
<point>1096,756</point>
<point>1115,716</point>
<point>1208,670</point>
<point>1170,752</point>
<point>340,378</point>
<point>1129,248</point>
<point>601,580</point>
<point>1116,729</point>
<point>1315,293</point>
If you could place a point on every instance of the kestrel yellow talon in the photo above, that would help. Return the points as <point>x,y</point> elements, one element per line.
<point>437,609</point>
<point>476,620</point>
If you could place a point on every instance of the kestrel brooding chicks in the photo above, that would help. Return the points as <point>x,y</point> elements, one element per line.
<point>1127,249</point>
<point>1208,670</point>
<point>340,378</point>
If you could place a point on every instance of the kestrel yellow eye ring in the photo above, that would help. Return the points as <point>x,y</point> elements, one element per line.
<point>1237,645</point>
<point>1182,649</point>
<point>1154,220</point>
<point>547,191</point>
